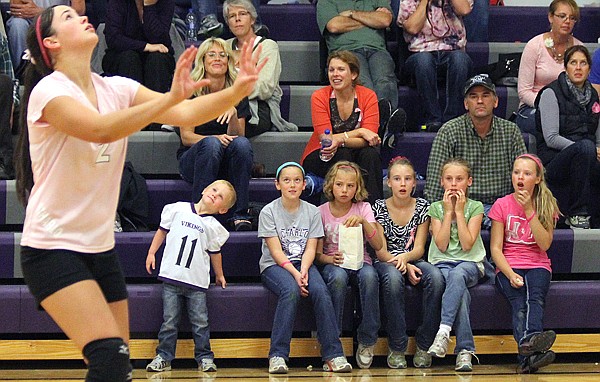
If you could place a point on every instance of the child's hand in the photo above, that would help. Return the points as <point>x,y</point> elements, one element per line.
<point>449,201</point>
<point>353,221</point>
<point>400,262</point>
<point>523,197</point>
<point>150,263</point>
<point>414,274</point>
<point>337,258</point>
<point>461,200</point>
<point>302,282</point>
<point>220,280</point>
<point>516,281</point>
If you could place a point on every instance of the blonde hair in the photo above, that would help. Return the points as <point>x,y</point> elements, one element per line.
<point>232,194</point>
<point>457,162</point>
<point>571,3</point>
<point>401,161</point>
<point>361,191</point>
<point>199,72</point>
<point>545,203</point>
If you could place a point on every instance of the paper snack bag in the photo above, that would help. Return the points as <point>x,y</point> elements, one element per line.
<point>350,243</point>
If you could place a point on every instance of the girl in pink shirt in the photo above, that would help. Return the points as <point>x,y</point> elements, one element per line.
<point>345,189</point>
<point>522,229</point>
<point>69,162</point>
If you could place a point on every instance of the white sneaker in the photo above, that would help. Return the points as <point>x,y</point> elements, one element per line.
<point>159,364</point>
<point>277,365</point>
<point>463,361</point>
<point>337,365</point>
<point>396,359</point>
<point>364,356</point>
<point>207,365</point>
<point>439,348</point>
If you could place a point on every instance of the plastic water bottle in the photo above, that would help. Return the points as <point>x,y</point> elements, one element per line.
<point>326,142</point>
<point>191,21</point>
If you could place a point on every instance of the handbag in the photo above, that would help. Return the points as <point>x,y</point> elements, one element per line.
<point>505,72</point>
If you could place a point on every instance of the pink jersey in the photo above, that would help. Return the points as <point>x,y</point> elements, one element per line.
<point>520,249</point>
<point>74,199</point>
<point>331,226</point>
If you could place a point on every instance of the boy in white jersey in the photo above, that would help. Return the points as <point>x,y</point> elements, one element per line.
<point>194,237</point>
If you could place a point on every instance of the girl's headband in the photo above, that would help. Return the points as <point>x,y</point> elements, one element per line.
<point>534,158</point>
<point>288,164</point>
<point>399,157</point>
<point>38,35</point>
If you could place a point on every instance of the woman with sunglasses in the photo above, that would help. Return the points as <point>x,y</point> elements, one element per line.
<point>542,59</point>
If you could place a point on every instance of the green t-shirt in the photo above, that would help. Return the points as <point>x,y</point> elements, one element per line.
<point>454,252</point>
<point>360,38</point>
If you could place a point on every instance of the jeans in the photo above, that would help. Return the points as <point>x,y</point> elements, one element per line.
<point>476,22</point>
<point>337,280</point>
<point>207,7</point>
<point>377,72</point>
<point>16,32</point>
<point>392,286</point>
<point>486,222</point>
<point>174,299</point>
<point>577,166</point>
<point>456,300</point>
<point>527,303</point>
<point>423,66</point>
<point>526,119</point>
<point>282,283</point>
<point>208,160</point>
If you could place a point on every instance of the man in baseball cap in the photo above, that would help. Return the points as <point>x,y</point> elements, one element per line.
<point>489,143</point>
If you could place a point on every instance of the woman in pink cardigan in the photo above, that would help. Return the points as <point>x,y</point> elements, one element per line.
<point>542,59</point>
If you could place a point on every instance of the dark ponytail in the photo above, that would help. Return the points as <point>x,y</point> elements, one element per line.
<point>36,69</point>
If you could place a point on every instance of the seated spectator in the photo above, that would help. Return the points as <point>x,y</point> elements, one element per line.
<point>542,59</point>
<point>359,28</point>
<point>436,36</point>
<point>266,97</point>
<point>211,27</point>
<point>138,42</point>
<point>7,100</point>
<point>218,149</point>
<point>350,112</point>
<point>22,13</point>
<point>489,142</point>
<point>595,72</point>
<point>568,137</point>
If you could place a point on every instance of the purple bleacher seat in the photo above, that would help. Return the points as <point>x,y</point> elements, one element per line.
<point>10,314</point>
<point>573,305</point>
<point>132,248</point>
<point>34,320</point>
<point>7,258</point>
<point>479,53</point>
<point>291,22</point>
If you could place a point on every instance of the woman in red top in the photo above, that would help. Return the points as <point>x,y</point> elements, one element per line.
<point>351,113</point>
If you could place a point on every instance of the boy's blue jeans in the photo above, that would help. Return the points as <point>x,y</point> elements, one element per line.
<point>456,300</point>
<point>392,286</point>
<point>282,283</point>
<point>174,300</point>
<point>527,303</point>
<point>366,279</point>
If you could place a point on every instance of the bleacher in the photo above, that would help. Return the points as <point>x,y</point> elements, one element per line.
<point>241,315</point>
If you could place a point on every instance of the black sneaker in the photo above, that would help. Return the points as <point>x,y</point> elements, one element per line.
<point>534,362</point>
<point>538,343</point>
<point>210,27</point>
<point>385,112</point>
<point>578,221</point>
<point>394,128</point>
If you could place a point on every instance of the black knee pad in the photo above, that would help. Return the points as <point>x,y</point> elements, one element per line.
<point>108,360</point>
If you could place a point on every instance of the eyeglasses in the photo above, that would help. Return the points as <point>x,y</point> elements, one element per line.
<point>212,54</point>
<point>240,14</point>
<point>563,17</point>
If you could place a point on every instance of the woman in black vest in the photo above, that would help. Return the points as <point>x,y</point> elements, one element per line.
<point>568,136</point>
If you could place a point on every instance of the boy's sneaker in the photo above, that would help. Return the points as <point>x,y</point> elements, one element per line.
<point>207,365</point>
<point>538,343</point>
<point>210,27</point>
<point>158,364</point>
<point>277,365</point>
<point>396,359</point>
<point>578,221</point>
<point>463,361</point>
<point>535,361</point>
<point>337,365</point>
<point>364,356</point>
<point>439,348</point>
<point>421,358</point>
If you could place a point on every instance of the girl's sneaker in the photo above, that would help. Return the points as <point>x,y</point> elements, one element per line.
<point>277,365</point>
<point>208,365</point>
<point>364,356</point>
<point>396,359</point>
<point>463,361</point>
<point>337,365</point>
<point>538,343</point>
<point>158,364</point>
<point>421,358</point>
<point>439,348</point>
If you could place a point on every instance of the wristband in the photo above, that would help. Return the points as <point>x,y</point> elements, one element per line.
<point>373,234</point>
<point>282,265</point>
<point>531,217</point>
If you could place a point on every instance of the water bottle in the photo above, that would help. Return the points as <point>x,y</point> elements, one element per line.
<point>191,34</point>
<point>326,142</point>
